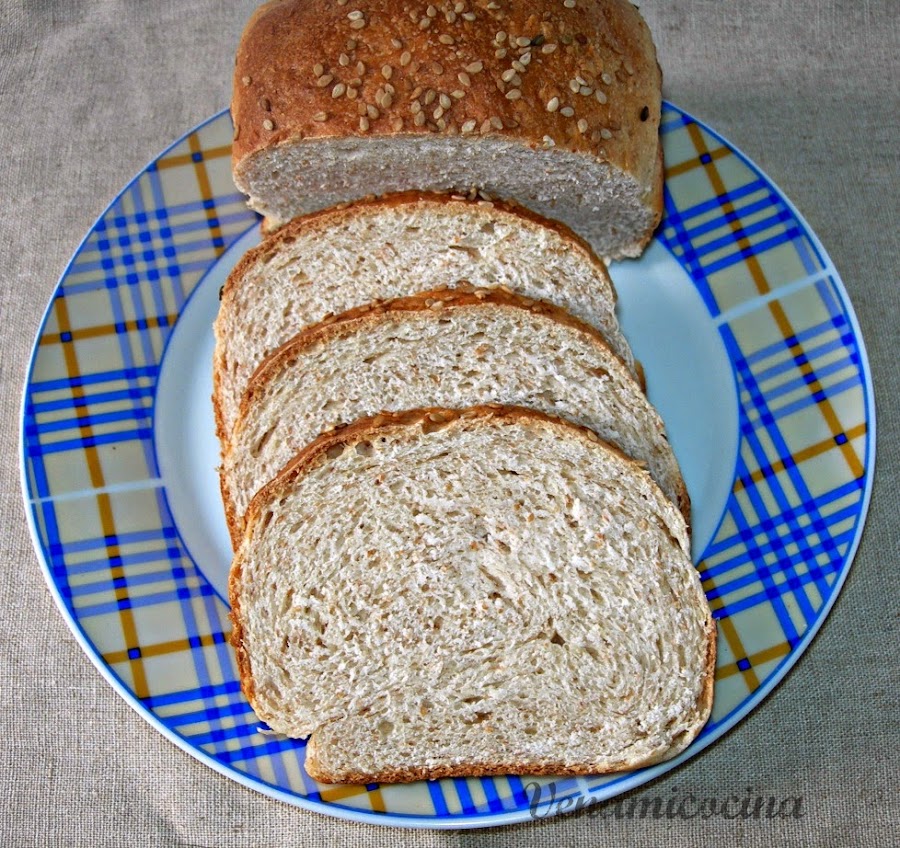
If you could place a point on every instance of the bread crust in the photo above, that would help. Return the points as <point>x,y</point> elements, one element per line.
<point>428,419</point>
<point>298,60</point>
<point>368,315</point>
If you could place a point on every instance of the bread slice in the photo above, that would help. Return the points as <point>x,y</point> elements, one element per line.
<point>489,591</point>
<point>554,106</point>
<point>450,347</point>
<point>391,247</point>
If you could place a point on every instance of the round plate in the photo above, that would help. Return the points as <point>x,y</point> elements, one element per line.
<point>752,353</point>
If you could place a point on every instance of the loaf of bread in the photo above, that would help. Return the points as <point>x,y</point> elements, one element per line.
<point>453,348</point>
<point>555,104</point>
<point>337,259</point>
<point>490,591</point>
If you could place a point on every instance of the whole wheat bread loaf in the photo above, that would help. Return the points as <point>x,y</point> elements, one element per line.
<point>453,348</point>
<point>390,247</point>
<point>554,104</point>
<point>494,591</point>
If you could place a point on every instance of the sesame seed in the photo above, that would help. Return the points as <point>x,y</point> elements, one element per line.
<point>437,68</point>
<point>338,90</point>
<point>360,108</point>
<point>513,94</point>
<point>429,96</point>
<point>416,92</point>
<point>397,43</point>
<point>468,126</point>
<point>342,2</point>
<point>501,53</point>
<point>318,70</point>
<point>352,93</point>
<point>548,48</point>
<point>493,6</point>
<point>441,124</point>
<point>574,86</point>
<point>246,80</point>
<point>518,66</point>
<point>475,67</point>
<point>582,126</point>
<point>397,123</point>
<point>586,91</point>
<point>485,127</point>
<point>629,68</point>
<point>464,78</point>
<point>445,39</point>
<point>500,37</point>
<point>596,136</point>
<point>320,116</point>
<point>525,58</point>
<point>496,123</point>
<point>343,61</point>
<point>581,80</point>
<point>360,68</point>
<point>351,44</point>
<point>607,78</point>
<point>469,16</point>
<point>424,23</point>
<point>364,124</point>
<point>458,94</point>
<point>506,76</point>
<point>324,80</point>
<point>387,71</point>
<point>601,96</point>
<point>357,24</point>
<point>553,104</point>
<point>387,100</point>
<point>569,4</point>
<point>431,12</point>
<point>445,101</point>
<point>548,142</point>
<point>268,124</point>
<point>459,7</point>
<point>438,113</point>
<point>372,112</point>
<point>605,133</point>
<point>405,58</point>
<point>450,15</point>
<point>419,120</point>
<point>355,16</point>
<point>568,111</point>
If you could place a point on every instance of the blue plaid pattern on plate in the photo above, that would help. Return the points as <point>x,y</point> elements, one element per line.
<point>151,622</point>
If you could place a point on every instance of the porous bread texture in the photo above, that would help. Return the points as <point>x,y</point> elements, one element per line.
<point>448,348</point>
<point>555,106</point>
<point>490,591</point>
<point>391,247</point>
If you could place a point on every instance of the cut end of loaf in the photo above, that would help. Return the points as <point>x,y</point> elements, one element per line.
<point>547,648</point>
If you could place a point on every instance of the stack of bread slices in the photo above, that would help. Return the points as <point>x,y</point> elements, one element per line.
<point>461,535</point>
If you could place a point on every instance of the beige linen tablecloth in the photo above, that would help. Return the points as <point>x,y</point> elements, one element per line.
<point>90,91</point>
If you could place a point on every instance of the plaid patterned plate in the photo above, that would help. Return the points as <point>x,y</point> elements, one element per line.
<point>113,523</point>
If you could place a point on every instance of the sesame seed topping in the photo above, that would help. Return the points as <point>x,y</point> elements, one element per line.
<point>405,58</point>
<point>355,16</point>
<point>629,68</point>
<point>387,100</point>
<point>568,111</point>
<point>464,78</point>
<point>325,79</point>
<point>485,127</point>
<point>501,53</point>
<point>605,133</point>
<point>523,41</point>
<point>468,126</point>
<point>438,113</point>
<point>441,124</point>
<point>458,94</point>
<point>268,124</point>
<point>437,68</point>
<point>518,66</point>
<point>372,112</point>
<point>548,142</point>
<point>424,23</point>
<point>601,96</point>
<point>496,123</point>
<point>582,125</point>
<point>364,124</point>
<point>419,120</point>
<point>338,90</point>
<point>445,39</point>
<point>429,96</point>
<point>506,76</point>
<point>548,48</point>
<point>396,123</point>
<point>342,2</point>
<point>581,80</point>
<point>607,78</point>
<point>352,93</point>
<point>553,104</point>
<point>431,12</point>
<point>500,37</point>
<point>320,116</point>
<point>493,6</point>
<point>574,87</point>
<point>357,24</point>
<point>445,101</point>
<point>360,108</point>
<point>416,92</point>
<point>586,91</point>
<point>450,15</point>
<point>459,7</point>
<point>319,69</point>
<point>246,80</point>
<point>569,4</point>
<point>469,16</point>
<point>360,68</point>
<point>475,67</point>
<point>387,71</point>
<point>525,58</point>
<point>513,94</point>
<point>351,44</point>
